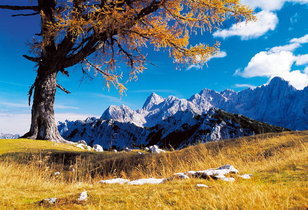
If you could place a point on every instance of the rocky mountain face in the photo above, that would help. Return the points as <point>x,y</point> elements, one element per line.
<point>181,129</point>
<point>277,103</point>
<point>180,122</point>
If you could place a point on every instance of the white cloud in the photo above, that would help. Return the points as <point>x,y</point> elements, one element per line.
<point>270,5</point>
<point>20,123</point>
<point>16,105</point>
<point>65,107</point>
<point>288,47</point>
<point>220,54</point>
<point>195,66</point>
<point>269,64</point>
<point>301,40</point>
<point>302,59</point>
<point>26,106</point>
<point>266,21</point>
<point>245,86</point>
<point>109,98</point>
<point>278,61</point>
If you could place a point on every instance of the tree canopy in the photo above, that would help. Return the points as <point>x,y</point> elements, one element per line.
<point>100,33</point>
<point>117,30</point>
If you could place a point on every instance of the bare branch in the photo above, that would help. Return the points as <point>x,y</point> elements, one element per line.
<point>128,55</point>
<point>96,68</point>
<point>24,15</point>
<point>33,59</point>
<point>66,73</point>
<point>63,89</point>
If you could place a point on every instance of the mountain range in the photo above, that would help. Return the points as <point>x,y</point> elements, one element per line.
<point>205,116</point>
<point>8,136</point>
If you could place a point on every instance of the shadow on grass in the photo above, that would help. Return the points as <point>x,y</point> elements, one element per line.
<point>80,165</point>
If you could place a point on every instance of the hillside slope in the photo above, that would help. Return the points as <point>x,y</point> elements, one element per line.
<point>276,161</point>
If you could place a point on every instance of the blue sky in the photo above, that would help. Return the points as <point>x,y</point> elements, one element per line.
<point>251,54</point>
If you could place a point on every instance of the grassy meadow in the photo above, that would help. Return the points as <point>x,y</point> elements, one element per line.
<point>278,163</point>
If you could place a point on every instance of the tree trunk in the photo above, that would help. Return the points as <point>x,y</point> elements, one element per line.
<point>43,124</point>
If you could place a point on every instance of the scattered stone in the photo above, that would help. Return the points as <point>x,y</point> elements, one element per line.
<point>218,173</point>
<point>89,148</point>
<point>246,176</point>
<point>115,150</point>
<point>114,181</point>
<point>127,149</point>
<point>82,142</point>
<point>48,201</point>
<point>147,149</point>
<point>227,179</point>
<point>140,153</point>
<point>83,196</point>
<point>146,181</point>
<point>155,149</point>
<point>181,176</point>
<point>228,167</point>
<point>98,148</point>
<point>57,173</point>
<point>202,186</point>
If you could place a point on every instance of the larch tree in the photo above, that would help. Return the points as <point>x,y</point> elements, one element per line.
<point>99,33</point>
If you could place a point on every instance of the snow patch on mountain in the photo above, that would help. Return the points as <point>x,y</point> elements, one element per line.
<point>181,122</point>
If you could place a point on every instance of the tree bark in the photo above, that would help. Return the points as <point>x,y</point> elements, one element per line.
<point>43,124</point>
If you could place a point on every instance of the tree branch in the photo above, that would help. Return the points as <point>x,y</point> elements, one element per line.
<point>63,89</point>
<point>33,59</point>
<point>93,44</point>
<point>24,15</point>
<point>35,8</point>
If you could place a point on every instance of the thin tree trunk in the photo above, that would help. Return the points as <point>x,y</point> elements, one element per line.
<point>43,124</point>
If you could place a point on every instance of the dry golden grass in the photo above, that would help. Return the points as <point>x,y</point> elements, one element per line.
<point>278,164</point>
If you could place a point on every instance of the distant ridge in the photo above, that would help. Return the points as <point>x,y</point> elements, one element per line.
<point>277,103</point>
<point>9,136</point>
<point>201,118</point>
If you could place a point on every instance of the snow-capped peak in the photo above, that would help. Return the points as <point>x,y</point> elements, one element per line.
<point>123,114</point>
<point>152,100</point>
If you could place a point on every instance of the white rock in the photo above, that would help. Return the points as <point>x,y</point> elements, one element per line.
<point>83,196</point>
<point>147,149</point>
<point>82,142</point>
<point>228,167</point>
<point>191,172</point>
<point>227,179</point>
<point>146,181</point>
<point>56,173</point>
<point>246,176</point>
<point>115,150</point>
<point>155,149</point>
<point>89,148</point>
<point>140,153</point>
<point>202,185</point>
<point>50,200</point>
<point>98,148</point>
<point>114,181</point>
<point>181,175</point>
<point>127,149</point>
